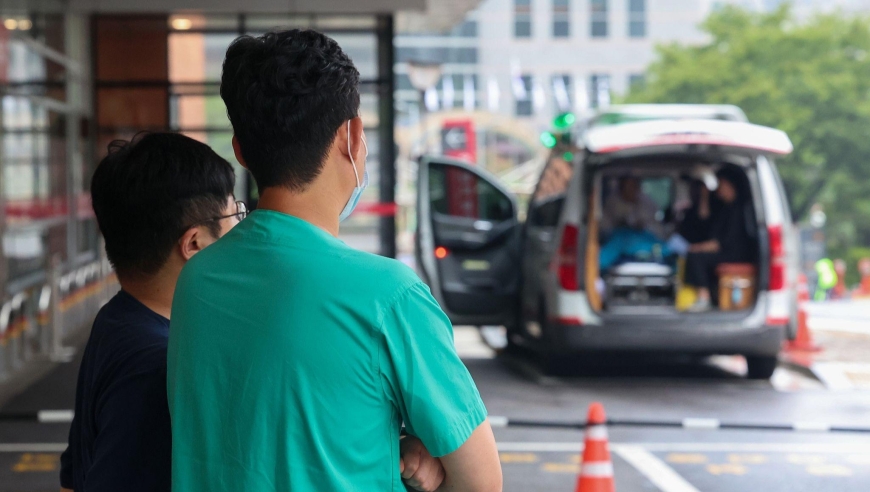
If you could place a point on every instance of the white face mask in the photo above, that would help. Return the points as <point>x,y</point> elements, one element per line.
<point>360,186</point>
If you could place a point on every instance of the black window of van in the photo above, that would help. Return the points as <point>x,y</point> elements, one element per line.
<point>459,192</point>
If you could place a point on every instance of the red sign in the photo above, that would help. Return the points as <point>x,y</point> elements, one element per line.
<point>462,193</point>
<point>4,55</point>
<point>459,140</point>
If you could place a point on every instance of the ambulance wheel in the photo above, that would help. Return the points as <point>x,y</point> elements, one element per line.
<point>760,367</point>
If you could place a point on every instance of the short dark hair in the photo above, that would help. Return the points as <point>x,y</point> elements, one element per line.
<point>287,93</point>
<point>737,178</point>
<point>147,192</point>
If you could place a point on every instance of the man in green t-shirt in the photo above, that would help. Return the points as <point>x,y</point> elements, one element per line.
<point>294,359</point>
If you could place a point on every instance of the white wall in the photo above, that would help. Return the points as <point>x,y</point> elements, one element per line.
<point>579,55</point>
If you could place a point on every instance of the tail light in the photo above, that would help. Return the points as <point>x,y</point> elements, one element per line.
<point>777,258</point>
<point>778,311</point>
<point>565,262</point>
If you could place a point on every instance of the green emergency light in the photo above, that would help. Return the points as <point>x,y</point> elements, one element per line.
<point>564,121</point>
<point>549,140</point>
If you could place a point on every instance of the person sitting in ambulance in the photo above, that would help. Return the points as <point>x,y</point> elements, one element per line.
<point>729,241</point>
<point>630,208</point>
<point>696,226</point>
<point>630,226</point>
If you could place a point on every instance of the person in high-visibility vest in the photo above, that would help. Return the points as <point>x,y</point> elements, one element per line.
<point>827,278</point>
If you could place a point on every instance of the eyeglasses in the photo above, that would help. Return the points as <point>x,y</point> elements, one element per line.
<point>241,212</point>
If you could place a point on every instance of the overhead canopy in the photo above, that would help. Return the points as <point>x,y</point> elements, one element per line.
<point>249,6</point>
<point>418,16</point>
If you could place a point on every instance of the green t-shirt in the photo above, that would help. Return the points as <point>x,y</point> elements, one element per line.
<point>294,359</point>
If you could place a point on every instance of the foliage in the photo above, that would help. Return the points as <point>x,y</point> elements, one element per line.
<point>809,78</point>
<point>853,256</point>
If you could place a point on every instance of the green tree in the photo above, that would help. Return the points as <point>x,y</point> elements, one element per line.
<point>809,78</point>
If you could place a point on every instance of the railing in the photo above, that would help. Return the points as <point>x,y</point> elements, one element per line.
<point>35,322</point>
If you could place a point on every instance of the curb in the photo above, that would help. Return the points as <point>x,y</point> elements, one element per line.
<point>799,368</point>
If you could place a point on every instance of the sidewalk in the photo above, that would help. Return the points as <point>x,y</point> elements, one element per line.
<point>842,329</point>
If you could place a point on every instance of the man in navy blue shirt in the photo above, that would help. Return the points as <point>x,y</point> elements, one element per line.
<point>158,200</point>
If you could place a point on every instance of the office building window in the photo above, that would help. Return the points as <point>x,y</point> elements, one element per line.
<point>458,91</point>
<point>562,92</point>
<point>561,19</point>
<point>523,95</point>
<point>467,29</point>
<point>441,54</point>
<point>598,14</point>
<point>636,81</point>
<point>599,90</point>
<point>637,18</point>
<point>523,18</point>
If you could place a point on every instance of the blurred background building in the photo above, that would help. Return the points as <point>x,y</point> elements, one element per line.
<point>477,80</point>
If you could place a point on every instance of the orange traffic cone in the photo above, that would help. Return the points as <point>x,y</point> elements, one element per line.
<point>596,471</point>
<point>803,342</point>
<point>864,288</point>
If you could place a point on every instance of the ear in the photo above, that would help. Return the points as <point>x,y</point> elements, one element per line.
<point>238,151</point>
<point>356,136</point>
<point>192,242</point>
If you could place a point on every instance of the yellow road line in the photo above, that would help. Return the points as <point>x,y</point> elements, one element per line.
<point>36,462</point>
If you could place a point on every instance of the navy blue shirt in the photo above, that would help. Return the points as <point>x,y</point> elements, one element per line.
<point>120,438</point>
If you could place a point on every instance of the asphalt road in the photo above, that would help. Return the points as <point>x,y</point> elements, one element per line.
<point>645,459</point>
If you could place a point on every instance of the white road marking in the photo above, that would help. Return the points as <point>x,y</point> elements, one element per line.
<point>700,447</point>
<point>701,423</point>
<point>54,416</point>
<point>33,447</point>
<point>654,469</point>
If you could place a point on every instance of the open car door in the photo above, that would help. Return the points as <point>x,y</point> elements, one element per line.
<point>468,242</point>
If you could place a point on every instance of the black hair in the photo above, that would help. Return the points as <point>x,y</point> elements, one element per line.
<point>148,192</point>
<point>737,178</point>
<point>287,93</point>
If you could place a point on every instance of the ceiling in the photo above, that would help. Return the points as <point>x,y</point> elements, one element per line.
<point>418,16</point>
<point>250,6</point>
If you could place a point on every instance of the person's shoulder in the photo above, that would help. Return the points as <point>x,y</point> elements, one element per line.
<point>388,274</point>
<point>126,331</point>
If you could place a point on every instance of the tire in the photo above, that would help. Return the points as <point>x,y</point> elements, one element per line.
<point>760,367</point>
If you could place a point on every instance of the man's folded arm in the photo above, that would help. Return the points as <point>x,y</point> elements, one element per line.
<point>475,466</point>
<point>435,394</point>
